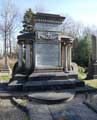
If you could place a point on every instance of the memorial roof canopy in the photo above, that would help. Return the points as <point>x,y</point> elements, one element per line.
<point>48,16</point>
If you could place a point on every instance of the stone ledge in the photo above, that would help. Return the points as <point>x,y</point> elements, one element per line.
<point>85,89</point>
<point>52,76</point>
<point>51,97</point>
<point>16,85</point>
<point>44,85</point>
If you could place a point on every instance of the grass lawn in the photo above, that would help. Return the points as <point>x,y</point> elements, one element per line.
<point>5,78</point>
<point>82,75</point>
<point>91,83</point>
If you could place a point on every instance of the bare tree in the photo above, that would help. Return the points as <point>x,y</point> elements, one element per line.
<point>8,17</point>
<point>72,28</point>
<point>89,30</point>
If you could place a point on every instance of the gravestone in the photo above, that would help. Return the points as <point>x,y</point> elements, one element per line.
<point>92,73</point>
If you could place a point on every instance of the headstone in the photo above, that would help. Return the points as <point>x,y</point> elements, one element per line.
<point>92,73</point>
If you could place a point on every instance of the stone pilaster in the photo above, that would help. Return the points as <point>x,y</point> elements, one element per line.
<point>28,59</point>
<point>69,57</point>
<point>62,57</point>
<point>65,59</point>
<point>20,56</point>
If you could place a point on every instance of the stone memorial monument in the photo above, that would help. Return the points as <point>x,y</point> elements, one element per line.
<point>47,55</point>
<point>48,49</point>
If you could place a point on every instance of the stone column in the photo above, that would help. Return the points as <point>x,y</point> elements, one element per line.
<point>62,60</point>
<point>20,56</point>
<point>65,59</point>
<point>28,60</point>
<point>69,57</point>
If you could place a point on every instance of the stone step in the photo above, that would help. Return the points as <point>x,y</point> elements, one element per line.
<point>51,97</point>
<point>52,76</point>
<point>42,82</point>
<point>20,77</point>
<point>45,70</point>
<point>85,89</point>
<point>3,86</point>
<point>16,85</point>
<point>52,85</point>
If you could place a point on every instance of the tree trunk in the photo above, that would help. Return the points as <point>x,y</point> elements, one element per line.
<point>5,50</point>
<point>10,47</point>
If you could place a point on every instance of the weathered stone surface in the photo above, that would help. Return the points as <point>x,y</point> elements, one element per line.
<point>20,77</point>
<point>40,85</point>
<point>10,112</point>
<point>85,89</point>
<point>3,87</point>
<point>17,82</point>
<point>48,76</point>
<point>51,76</point>
<point>80,112</point>
<point>39,112</point>
<point>92,102</point>
<point>20,56</point>
<point>16,85</point>
<point>70,110</point>
<point>47,55</point>
<point>51,97</point>
<point>73,110</point>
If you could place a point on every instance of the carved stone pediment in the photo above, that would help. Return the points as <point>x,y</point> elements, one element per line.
<point>47,36</point>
